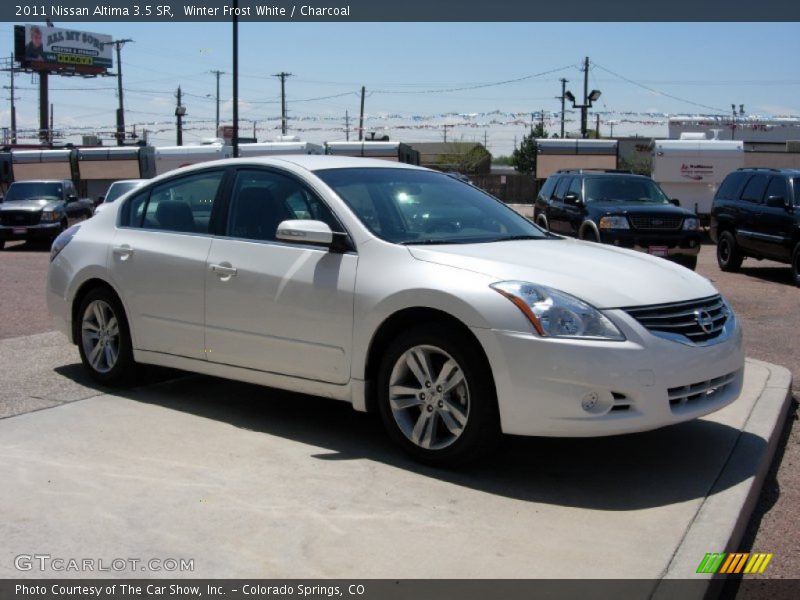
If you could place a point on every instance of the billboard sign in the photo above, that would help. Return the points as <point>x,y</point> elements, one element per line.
<point>55,49</point>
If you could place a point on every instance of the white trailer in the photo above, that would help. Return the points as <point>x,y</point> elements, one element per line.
<point>393,151</point>
<point>691,170</point>
<point>274,148</point>
<point>175,157</point>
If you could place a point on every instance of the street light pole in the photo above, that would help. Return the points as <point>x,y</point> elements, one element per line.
<point>121,109</point>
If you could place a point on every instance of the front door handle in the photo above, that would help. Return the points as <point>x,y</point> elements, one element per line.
<point>224,270</point>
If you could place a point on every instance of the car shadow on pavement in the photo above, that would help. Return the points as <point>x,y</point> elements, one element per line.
<point>29,246</point>
<point>782,274</point>
<point>631,472</point>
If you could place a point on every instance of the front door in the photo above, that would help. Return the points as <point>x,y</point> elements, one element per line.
<point>273,306</point>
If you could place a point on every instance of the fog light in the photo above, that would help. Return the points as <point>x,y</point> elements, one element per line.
<point>597,403</point>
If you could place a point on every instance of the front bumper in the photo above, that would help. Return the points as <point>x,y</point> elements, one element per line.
<point>679,243</point>
<point>580,388</point>
<point>42,231</point>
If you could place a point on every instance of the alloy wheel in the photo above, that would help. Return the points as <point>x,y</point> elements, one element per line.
<point>100,336</point>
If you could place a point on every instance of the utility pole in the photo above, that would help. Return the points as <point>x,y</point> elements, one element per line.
<point>180,111</point>
<point>121,109</point>
<point>361,118</point>
<point>541,121</point>
<point>217,73</point>
<point>347,125</point>
<point>13,106</point>
<point>485,139</point>
<point>51,135</point>
<point>585,106</point>
<point>562,98</point>
<point>597,127</point>
<point>445,132</point>
<point>235,140</point>
<point>733,122</point>
<point>283,77</point>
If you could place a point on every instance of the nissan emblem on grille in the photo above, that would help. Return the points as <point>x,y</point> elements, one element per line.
<point>704,320</point>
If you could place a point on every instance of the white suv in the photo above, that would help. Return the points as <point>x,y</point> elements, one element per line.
<point>396,289</point>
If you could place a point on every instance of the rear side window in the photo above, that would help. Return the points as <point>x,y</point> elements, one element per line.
<point>729,190</point>
<point>548,187</point>
<point>182,205</point>
<point>754,188</point>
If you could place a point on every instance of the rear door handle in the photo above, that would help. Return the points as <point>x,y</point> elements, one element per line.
<point>124,251</point>
<point>224,271</point>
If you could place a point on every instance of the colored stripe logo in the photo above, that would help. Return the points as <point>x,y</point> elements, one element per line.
<point>734,562</point>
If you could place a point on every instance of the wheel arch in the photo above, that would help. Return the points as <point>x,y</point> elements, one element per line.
<point>84,288</point>
<point>398,322</point>
<point>589,224</point>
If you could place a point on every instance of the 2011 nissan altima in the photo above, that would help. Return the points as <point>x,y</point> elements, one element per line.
<point>397,289</point>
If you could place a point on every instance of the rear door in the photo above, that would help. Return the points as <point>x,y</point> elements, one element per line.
<point>158,262</point>
<point>750,212</point>
<point>558,218</point>
<point>273,306</point>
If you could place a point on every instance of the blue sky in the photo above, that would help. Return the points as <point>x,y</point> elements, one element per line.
<point>688,68</point>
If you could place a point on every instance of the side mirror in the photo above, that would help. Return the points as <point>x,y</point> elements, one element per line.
<point>304,231</point>
<point>99,200</point>
<point>571,198</point>
<point>675,201</point>
<point>72,198</point>
<point>776,202</point>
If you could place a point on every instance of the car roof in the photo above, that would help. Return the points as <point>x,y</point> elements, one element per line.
<point>767,170</point>
<point>309,162</point>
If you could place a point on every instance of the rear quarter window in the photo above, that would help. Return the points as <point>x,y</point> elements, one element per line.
<point>729,190</point>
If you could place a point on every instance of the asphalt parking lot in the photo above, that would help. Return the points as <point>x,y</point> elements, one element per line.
<point>347,446</point>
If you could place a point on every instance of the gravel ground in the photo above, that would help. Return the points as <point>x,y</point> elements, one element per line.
<point>762,296</point>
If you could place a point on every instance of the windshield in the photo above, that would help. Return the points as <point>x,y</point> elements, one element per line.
<point>121,187</point>
<point>409,206</point>
<point>623,189</point>
<point>32,191</point>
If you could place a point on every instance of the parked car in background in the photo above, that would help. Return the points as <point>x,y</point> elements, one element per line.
<point>618,208</point>
<point>756,213</point>
<point>396,289</point>
<point>40,210</point>
<point>116,190</point>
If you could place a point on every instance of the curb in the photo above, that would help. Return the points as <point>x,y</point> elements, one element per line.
<point>712,530</point>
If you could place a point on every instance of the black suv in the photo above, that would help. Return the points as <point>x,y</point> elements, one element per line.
<point>756,212</point>
<point>40,210</point>
<point>619,208</point>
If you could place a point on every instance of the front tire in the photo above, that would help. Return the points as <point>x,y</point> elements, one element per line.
<point>436,396</point>
<point>104,339</point>
<point>729,256</point>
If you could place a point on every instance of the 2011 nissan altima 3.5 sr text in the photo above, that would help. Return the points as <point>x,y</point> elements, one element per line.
<point>397,289</point>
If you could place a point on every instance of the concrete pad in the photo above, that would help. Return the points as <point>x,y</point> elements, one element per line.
<point>253,482</point>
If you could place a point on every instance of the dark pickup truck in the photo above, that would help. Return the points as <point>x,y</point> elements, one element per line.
<point>40,210</point>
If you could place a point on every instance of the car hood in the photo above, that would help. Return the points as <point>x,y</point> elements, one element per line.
<point>33,204</point>
<point>604,276</point>
<point>639,208</point>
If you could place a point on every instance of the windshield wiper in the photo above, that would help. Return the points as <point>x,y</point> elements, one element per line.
<point>512,238</point>
<point>430,242</point>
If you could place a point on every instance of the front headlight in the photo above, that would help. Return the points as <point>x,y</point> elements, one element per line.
<point>691,224</point>
<point>556,314</point>
<point>49,216</point>
<point>614,223</point>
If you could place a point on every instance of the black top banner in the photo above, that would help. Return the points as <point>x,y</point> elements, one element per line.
<point>402,11</point>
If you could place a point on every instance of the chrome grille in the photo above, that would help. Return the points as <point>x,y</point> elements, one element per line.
<point>19,218</point>
<point>697,320</point>
<point>655,222</point>
<point>700,391</point>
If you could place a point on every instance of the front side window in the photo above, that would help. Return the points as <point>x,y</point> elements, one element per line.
<point>561,188</point>
<point>777,187</point>
<point>409,206</point>
<point>796,186</point>
<point>263,199</point>
<point>623,189</point>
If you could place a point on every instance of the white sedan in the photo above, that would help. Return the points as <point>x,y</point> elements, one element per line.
<point>397,289</point>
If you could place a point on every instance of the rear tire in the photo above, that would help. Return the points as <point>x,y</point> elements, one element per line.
<point>436,396</point>
<point>796,264</point>
<point>729,256</point>
<point>104,339</point>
